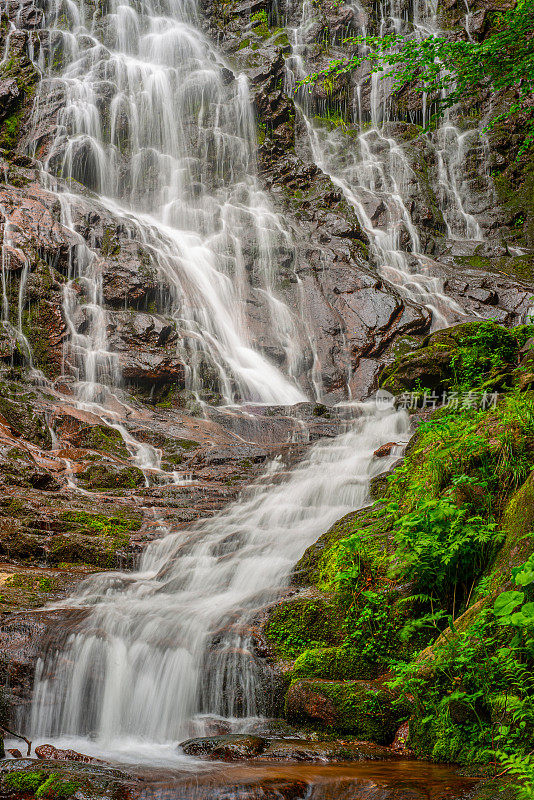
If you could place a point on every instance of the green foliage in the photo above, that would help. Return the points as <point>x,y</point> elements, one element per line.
<point>443,548</point>
<point>521,767</point>
<point>451,70</point>
<point>485,350</point>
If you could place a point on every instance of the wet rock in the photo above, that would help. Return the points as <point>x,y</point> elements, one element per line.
<point>362,708</point>
<point>235,747</point>
<point>9,96</point>
<point>108,475</point>
<point>51,753</point>
<point>385,450</point>
<point>326,752</point>
<point>230,747</point>
<point>22,638</point>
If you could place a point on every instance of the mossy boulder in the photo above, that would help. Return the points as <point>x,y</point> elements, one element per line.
<point>302,623</point>
<point>518,527</point>
<point>362,709</point>
<point>439,362</point>
<point>106,475</point>
<point>427,367</point>
<point>307,570</point>
<point>332,663</point>
<point>314,567</point>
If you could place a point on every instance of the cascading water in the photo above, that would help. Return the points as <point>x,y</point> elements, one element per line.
<point>375,174</point>
<point>155,123</point>
<point>168,643</point>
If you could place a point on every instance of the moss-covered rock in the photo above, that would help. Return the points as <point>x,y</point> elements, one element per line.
<point>518,527</point>
<point>302,623</point>
<point>316,565</point>
<point>101,438</point>
<point>333,663</point>
<point>359,708</point>
<point>428,368</point>
<point>106,475</point>
<point>471,351</point>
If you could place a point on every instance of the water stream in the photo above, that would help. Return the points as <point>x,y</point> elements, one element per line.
<point>372,168</point>
<point>165,646</point>
<point>158,126</point>
<point>161,130</point>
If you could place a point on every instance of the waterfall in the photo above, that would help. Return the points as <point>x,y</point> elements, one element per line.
<point>375,173</point>
<point>161,648</point>
<point>157,125</point>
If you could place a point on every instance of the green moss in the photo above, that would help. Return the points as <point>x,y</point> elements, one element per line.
<point>107,476</point>
<point>518,528</point>
<point>358,708</point>
<point>99,523</point>
<point>110,246</point>
<point>10,131</point>
<point>516,266</point>
<point>103,438</point>
<point>22,782</point>
<point>332,663</point>
<point>57,786</point>
<point>303,623</point>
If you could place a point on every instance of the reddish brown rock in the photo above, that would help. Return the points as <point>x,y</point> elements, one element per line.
<point>51,753</point>
<point>385,450</point>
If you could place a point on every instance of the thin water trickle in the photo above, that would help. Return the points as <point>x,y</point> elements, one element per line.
<point>375,174</point>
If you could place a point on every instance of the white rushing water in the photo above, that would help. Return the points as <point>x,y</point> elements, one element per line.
<point>166,645</point>
<point>155,123</point>
<point>374,171</point>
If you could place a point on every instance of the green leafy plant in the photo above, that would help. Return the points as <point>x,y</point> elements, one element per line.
<point>443,548</point>
<point>450,70</point>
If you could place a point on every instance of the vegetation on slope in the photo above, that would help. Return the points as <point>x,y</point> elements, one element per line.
<point>430,590</point>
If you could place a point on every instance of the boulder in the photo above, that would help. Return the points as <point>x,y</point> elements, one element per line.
<point>229,747</point>
<point>333,663</point>
<point>363,709</point>
<point>49,752</point>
